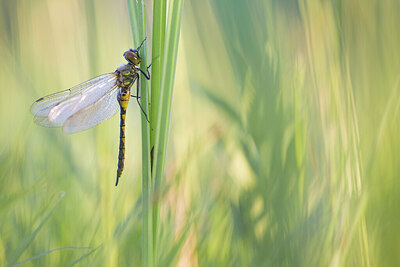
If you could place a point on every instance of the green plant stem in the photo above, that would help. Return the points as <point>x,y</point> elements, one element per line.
<point>164,57</point>
<point>166,92</point>
<point>133,18</point>
<point>159,20</point>
<point>137,17</point>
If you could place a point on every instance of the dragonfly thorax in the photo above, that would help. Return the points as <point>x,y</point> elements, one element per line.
<point>126,75</point>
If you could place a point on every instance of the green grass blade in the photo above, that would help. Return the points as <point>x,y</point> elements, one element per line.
<point>166,87</point>
<point>84,256</point>
<point>166,92</point>
<point>44,253</point>
<point>147,234</point>
<point>159,20</point>
<point>133,18</point>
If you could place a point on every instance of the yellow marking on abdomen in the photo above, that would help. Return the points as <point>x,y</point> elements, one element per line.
<point>123,100</point>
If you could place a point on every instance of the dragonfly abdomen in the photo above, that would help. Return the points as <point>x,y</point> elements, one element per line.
<point>123,100</point>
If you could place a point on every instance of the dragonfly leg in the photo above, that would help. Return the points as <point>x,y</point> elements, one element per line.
<point>148,73</point>
<point>137,98</point>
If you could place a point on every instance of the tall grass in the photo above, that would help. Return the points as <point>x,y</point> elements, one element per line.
<point>155,136</point>
<point>293,137</point>
<point>170,54</point>
<point>159,23</point>
<point>138,23</point>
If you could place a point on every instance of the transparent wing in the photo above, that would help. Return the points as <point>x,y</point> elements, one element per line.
<point>91,115</point>
<point>62,111</point>
<point>43,106</point>
<point>44,121</point>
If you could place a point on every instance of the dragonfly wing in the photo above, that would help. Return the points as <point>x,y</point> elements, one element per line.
<point>44,121</point>
<point>61,112</point>
<point>43,106</point>
<point>97,112</point>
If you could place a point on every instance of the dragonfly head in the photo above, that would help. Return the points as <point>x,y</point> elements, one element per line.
<point>132,56</point>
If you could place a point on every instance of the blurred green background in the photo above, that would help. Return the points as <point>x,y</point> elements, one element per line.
<point>284,145</point>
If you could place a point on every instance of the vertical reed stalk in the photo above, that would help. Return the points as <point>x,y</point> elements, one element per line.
<point>159,21</point>
<point>155,135</point>
<point>138,25</point>
<point>168,66</point>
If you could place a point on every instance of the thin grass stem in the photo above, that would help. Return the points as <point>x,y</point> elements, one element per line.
<point>165,99</point>
<point>137,14</point>
<point>159,21</point>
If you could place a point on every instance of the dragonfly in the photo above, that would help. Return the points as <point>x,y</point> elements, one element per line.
<point>94,101</point>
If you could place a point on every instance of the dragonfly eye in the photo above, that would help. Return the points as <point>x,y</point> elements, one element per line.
<point>132,56</point>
